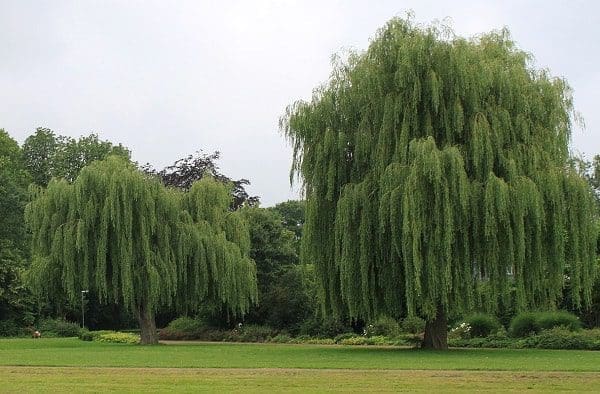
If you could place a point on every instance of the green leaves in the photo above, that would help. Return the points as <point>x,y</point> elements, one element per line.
<point>137,243</point>
<point>453,185</point>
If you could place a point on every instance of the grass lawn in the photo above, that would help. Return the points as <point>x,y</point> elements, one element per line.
<point>70,364</point>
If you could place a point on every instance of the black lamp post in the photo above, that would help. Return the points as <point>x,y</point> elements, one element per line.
<point>82,308</point>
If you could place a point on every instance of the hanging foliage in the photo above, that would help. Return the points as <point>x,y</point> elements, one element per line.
<point>139,244</point>
<point>436,173</point>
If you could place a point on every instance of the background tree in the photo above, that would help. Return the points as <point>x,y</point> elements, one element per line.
<point>15,303</point>
<point>184,172</point>
<point>293,214</point>
<point>272,248</point>
<point>47,155</point>
<point>436,174</point>
<point>590,316</point>
<point>134,242</point>
<point>38,153</point>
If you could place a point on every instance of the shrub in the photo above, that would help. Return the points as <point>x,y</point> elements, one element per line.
<point>338,338</point>
<point>463,330</point>
<point>554,338</point>
<point>118,337</point>
<point>377,340</point>
<point>528,323</point>
<point>89,336</point>
<point>183,328</point>
<point>251,333</point>
<point>186,324</point>
<point>59,328</point>
<point>562,338</point>
<point>327,328</point>
<point>320,341</point>
<point>10,328</point>
<point>482,325</point>
<point>281,338</point>
<point>413,325</point>
<point>301,339</point>
<point>548,320</point>
<point>109,336</point>
<point>489,342</point>
<point>86,335</point>
<point>384,325</point>
<point>524,324</point>
<point>355,340</point>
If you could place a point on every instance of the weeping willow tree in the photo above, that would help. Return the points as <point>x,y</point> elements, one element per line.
<point>136,243</point>
<point>436,174</point>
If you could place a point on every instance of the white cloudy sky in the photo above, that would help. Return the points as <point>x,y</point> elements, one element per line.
<point>168,78</point>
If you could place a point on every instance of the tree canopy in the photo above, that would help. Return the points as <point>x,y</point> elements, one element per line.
<point>437,178</point>
<point>184,172</point>
<point>14,248</point>
<point>47,155</point>
<point>134,242</point>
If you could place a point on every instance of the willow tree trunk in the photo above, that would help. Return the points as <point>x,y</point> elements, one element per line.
<point>436,332</point>
<point>145,318</point>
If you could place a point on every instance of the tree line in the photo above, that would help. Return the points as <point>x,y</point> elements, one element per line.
<point>79,215</point>
<point>437,179</point>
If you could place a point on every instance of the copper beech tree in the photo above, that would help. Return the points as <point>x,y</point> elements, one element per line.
<point>437,179</point>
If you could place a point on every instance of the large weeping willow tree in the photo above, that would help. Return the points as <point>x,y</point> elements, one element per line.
<point>436,175</point>
<point>134,242</point>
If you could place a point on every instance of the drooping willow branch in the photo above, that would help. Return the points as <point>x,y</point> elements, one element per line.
<point>436,172</point>
<point>139,244</point>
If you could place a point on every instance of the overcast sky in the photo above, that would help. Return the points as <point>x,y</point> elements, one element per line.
<point>172,77</point>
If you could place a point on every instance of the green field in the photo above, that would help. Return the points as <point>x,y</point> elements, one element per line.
<point>70,364</point>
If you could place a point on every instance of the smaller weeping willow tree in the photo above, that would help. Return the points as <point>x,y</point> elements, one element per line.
<point>437,179</point>
<point>134,242</point>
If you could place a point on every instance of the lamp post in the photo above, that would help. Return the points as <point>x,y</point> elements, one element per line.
<point>82,308</point>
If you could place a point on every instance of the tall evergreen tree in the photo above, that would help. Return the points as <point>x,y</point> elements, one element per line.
<point>436,173</point>
<point>132,241</point>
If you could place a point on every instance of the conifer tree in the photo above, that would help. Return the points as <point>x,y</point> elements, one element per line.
<point>437,179</point>
<point>132,241</point>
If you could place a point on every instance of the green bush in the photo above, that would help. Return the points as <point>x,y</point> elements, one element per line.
<point>413,325</point>
<point>554,338</point>
<point>327,328</point>
<point>251,333</point>
<point>384,325</point>
<point>462,331</point>
<point>59,328</point>
<point>529,323</point>
<point>118,337</point>
<point>186,324</point>
<point>320,341</point>
<point>489,342</point>
<point>109,336</point>
<point>562,338</point>
<point>524,324</point>
<point>355,340</point>
<point>11,328</point>
<point>281,338</point>
<point>548,320</point>
<point>301,339</point>
<point>86,335</point>
<point>184,328</point>
<point>363,340</point>
<point>338,338</point>
<point>377,340</point>
<point>482,325</point>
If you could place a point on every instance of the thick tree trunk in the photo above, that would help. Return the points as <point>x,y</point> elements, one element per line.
<point>148,333</point>
<point>436,332</point>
